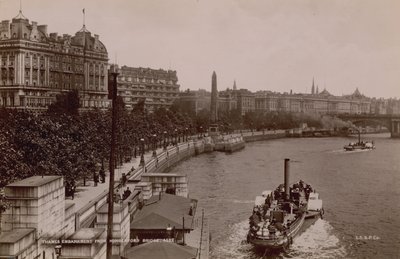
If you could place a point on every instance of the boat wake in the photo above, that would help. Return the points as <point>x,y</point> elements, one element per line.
<point>317,241</point>
<point>234,245</point>
<point>342,151</point>
<point>337,151</point>
<point>242,201</point>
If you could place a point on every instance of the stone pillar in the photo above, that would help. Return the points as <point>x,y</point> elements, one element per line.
<point>23,68</point>
<point>36,202</point>
<point>30,69</point>
<point>395,128</point>
<point>214,99</point>
<point>38,72</point>
<point>121,224</point>
<point>99,78</point>
<point>8,69</point>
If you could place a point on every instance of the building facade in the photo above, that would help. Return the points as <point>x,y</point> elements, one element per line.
<point>245,101</point>
<point>36,66</point>
<point>321,103</point>
<point>226,101</point>
<point>157,87</point>
<point>195,101</point>
<point>316,102</point>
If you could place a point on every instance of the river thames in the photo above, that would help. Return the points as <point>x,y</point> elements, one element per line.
<point>360,192</point>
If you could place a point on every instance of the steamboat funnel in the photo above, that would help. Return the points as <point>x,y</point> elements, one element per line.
<point>287,178</point>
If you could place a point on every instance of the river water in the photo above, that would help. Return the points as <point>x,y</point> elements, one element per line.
<point>360,192</point>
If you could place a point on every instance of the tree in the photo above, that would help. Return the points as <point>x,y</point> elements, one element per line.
<point>4,205</point>
<point>139,107</point>
<point>66,103</point>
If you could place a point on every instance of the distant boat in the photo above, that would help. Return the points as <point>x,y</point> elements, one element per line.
<point>360,145</point>
<point>278,216</point>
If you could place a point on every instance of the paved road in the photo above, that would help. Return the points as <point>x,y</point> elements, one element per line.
<point>84,194</point>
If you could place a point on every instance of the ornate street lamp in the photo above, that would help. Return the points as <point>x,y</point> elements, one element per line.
<point>165,139</point>
<point>176,136</point>
<point>58,248</point>
<point>154,145</point>
<point>135,149</point>
<point>142,153</point>
<point>186,133</point>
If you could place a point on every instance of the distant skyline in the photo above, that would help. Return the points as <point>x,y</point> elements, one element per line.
<point>276,45</point>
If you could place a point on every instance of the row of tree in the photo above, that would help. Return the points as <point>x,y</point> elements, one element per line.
<point>64,141</point>
<point>75,144</point>
<point>255,120</point>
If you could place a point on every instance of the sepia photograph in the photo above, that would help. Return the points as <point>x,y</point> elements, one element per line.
<point>199,129</point>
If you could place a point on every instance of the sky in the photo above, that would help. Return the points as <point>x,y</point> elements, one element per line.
<point>275,45</point>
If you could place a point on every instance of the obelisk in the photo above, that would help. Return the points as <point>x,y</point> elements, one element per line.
<point>214,99</point>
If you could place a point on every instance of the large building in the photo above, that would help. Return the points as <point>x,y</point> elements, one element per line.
<point>321,103</point>
<point>316,102</point>
<point>195,101</point>
<point>226,101</point>
<point>157,87</point>
<point>36,66</point>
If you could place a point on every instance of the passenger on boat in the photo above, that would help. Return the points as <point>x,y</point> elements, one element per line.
<point>265,209</point>
<point>126,194</point>
<point>268,201</point>
<point>302,185</point>
<point>255,218</point>
<point>280,226</point>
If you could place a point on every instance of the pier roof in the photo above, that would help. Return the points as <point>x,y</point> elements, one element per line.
<point>155,221</point>
<point>15,235</point>
<point>35,181</point>
<point>161,210</point>
<point>165,250</point>
<point>87,234</point>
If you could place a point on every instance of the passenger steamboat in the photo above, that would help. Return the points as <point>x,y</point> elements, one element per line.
<point>279,215</point>
<point>360,145</point>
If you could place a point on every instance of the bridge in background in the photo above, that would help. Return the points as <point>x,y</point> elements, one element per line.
<point>391,121</point>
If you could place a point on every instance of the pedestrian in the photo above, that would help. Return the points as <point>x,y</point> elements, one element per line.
<point>102,175</point>
<point>117,196</point>
<point>127,192</point>
<point>95,178</point>
<point>123,179</point>
<point>73,190</point>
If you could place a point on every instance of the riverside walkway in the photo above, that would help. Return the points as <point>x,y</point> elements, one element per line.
<point>85,194</point>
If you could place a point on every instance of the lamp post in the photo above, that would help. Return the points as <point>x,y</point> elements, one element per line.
<point>154,145</point>
<point>142,153</point>
<point>186,134</point>
<point>201,131</point>
<point>165,140</point>
<point>112,94</point>
<point>57,249</point>
<point>135,149</point>
<point>176,136</point>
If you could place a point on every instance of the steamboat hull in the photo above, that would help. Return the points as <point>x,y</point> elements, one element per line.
<point>277,242</point>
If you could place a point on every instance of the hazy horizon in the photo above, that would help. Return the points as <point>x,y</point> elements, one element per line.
<point>276,45</point>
